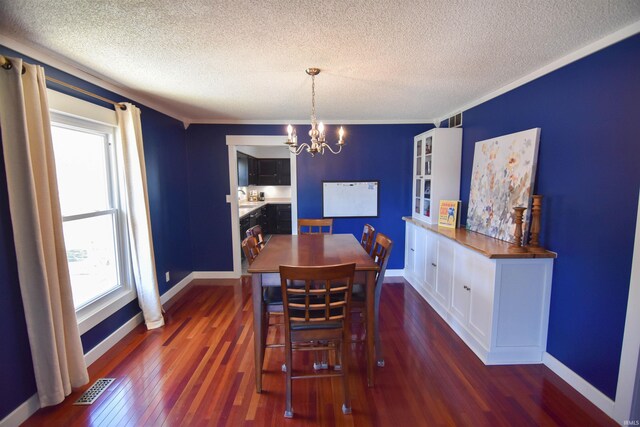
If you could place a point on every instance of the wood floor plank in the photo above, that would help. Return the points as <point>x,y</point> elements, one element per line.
<point>199,370</point>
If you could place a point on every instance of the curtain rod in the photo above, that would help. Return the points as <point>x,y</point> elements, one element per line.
<point>7,65</point>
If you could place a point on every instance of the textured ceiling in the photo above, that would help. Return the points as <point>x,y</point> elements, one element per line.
<point>245,59</point>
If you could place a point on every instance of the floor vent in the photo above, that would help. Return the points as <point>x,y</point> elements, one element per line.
<point>93,392</point>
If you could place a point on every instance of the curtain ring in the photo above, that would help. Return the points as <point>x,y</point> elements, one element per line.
<point>122,107</point>
<point>8,65</point>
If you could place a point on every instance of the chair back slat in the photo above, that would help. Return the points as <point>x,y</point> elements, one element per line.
<point>367,237</point>
<point>315,226</point>
<point>326,295</point>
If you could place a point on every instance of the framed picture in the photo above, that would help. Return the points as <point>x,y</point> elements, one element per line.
<point>503,175</point>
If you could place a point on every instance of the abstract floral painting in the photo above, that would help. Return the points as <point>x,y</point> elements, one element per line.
<point>504,169</point>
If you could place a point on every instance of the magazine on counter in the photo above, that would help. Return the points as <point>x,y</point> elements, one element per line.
<point>449,213</point>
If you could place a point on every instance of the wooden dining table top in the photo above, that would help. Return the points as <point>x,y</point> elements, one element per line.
<point>311,250</point>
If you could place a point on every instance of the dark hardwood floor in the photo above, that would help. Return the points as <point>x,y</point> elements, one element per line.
<point>198,370</point>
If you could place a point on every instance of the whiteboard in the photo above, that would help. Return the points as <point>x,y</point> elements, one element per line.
<point>349,199</point>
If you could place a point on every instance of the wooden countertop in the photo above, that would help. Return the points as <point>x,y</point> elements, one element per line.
<point>485,245</point>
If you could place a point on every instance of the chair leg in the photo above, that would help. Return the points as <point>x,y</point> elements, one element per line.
<point>288,410</point>
<point>376,322</point>
<point>344,355</point>
<point>320,359</point>
<point>338,365</point>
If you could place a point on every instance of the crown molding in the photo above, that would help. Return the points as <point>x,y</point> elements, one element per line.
<point>604,42</point>
<point>307,122</point>
<point>66,65</point>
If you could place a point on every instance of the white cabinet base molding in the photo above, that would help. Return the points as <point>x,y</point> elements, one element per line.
<point>495,300</point>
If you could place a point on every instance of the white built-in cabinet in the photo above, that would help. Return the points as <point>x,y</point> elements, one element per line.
<point>498,304</point>
<point>436,171</point>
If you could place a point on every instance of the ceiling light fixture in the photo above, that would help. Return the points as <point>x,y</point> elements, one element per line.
<point>317,132</point>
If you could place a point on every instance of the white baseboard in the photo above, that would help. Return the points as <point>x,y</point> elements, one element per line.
<point>97,351</point>
<point>22,412</point>
<point>215,275</point>
<point>176,288</point>
<point>592,394</point>
<point>394,273</point>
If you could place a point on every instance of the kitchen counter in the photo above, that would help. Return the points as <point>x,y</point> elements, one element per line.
<point>245,208</point>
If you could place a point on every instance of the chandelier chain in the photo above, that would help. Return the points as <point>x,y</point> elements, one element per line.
<point>313,98</point>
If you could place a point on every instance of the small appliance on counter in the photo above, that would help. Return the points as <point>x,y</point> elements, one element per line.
<point>261,196</point>
<point>253,196</point>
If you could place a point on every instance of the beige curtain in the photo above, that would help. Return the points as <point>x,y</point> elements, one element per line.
<point>58,360</point>
<point>137,207</point>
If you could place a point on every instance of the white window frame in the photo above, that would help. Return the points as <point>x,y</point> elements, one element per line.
<point>75,113</point>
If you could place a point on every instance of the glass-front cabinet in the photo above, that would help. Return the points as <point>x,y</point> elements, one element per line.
<point>436,171</point>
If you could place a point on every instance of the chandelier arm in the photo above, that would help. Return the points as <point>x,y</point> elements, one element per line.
<point>328,147</point>
<point>299,149</point>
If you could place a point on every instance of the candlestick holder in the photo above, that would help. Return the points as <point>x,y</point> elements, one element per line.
<point>536,211</point>
<point>517,246</point>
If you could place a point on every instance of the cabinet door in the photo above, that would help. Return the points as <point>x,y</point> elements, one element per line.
<point>253,170</point>
<point>463,270</point>
<point>284,172</point>
<point>421,255</point>
<point>267,172</point>
<point>409,263</point>
<point>444,271</point>
<point>243,170</point>
<point>272,219</point>
<point>283,213</point>
<point>431,266</point>
<point>481,300</point>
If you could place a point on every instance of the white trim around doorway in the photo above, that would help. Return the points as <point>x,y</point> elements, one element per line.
<point>232,198</point>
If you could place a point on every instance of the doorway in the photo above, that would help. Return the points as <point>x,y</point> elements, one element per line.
<point>255,142</point>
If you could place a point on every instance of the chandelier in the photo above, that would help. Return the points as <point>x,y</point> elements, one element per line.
<point>317,132</point>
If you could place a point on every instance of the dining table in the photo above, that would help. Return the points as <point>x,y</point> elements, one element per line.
<point>307,250</point>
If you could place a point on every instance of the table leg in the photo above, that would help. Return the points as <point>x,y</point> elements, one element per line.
<point>371,286</point>
<point>258,330</point>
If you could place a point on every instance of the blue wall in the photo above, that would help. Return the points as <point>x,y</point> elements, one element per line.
<point>373,152</point>
<point>166,163</point>
<point>589,152</point>
<point>589,174</point>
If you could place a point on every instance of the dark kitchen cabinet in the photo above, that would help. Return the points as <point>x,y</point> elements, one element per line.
<point>264,218</point>
<point>274,171</point>
<point>279,218</point>
<point>267,172</point>
<point>243,170</point>
<point>247,170</point>
<point>284,172</point>
<point>253,170</point>
<point>283,213</point>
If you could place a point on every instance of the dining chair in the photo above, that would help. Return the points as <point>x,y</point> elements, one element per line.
<point>315,226</point>
<point>271,295</point>
<point>250,248</point>
<point>367,237</point>
<point>317,319</point>
<point>380,254</point>
<point>256,231</point>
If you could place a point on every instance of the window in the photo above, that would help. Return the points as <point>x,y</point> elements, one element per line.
<point>94,224</point>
